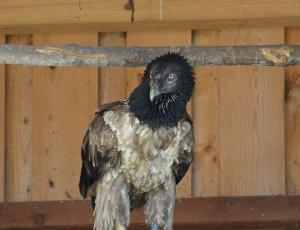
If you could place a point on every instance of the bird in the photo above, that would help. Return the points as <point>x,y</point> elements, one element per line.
<point>136,151</point>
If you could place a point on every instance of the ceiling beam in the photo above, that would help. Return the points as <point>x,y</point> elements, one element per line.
<point>31,16</point>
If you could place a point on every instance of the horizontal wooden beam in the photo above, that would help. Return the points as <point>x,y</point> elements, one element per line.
<point>192,213</point>
<point>29,16</point>
<point>73,55</point>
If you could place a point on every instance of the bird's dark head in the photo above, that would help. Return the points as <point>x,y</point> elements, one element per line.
<point>166,87</point>
<point>170,75</point>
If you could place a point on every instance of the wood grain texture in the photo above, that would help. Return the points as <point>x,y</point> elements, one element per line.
<point>215,213</point>
<point>158,38</point>
<point>2,125</point>
<point>83,56</point>
<point>292,116</point>
<point>112,82</point>
<point>30,16</point>
<point>206,164</point>
<point>64,101</point>
<point>239,121</point>
<point>19,127</point>
<point>252,132</point>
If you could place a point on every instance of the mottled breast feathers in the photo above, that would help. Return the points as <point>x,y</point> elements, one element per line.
<point>110,143</point>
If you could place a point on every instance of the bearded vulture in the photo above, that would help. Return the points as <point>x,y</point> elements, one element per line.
<point>135,151</point>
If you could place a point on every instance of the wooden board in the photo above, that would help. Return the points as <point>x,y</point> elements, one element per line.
<point>64,101</point>
<point>19,127</point>
<point>206,164</point>
<point>73,15</point>
<point>30,16</point>
<point>158,38</point>
<point>292,115</point>
<point>2,125</point>
<point>239,121</point>
<point>252,132</point>
<point>194,214</point>
<point>112,82</point>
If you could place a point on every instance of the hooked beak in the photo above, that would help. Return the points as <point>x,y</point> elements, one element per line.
<point>154,90</point>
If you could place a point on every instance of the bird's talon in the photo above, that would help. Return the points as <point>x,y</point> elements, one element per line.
<point>154,227</point>
<point>120,227</point>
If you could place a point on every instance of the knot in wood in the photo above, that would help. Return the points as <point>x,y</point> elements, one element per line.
<point>278,56</point>
<point>133,59</point>
<point>39,219</point>
<point>231,201</point>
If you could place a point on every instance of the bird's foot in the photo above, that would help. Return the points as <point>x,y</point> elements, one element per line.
<point>154,227</point>
<point>120,227</point>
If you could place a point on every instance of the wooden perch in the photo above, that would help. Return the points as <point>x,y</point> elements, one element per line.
<point>191,213</point>
<point>74,55</point>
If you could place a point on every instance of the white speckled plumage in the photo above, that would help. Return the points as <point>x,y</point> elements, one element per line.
<point>145,164</point>
<point>136,162</point>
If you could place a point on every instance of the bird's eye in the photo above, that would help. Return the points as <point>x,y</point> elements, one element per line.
<point>171,76</point>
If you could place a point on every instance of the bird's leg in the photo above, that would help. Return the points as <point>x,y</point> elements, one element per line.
<point>159,207</point>
<point>154,227</point>
<point>112,202</point>
<point>120,227</point>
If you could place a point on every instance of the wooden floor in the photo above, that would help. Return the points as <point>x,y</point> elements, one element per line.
<point>190,213</point>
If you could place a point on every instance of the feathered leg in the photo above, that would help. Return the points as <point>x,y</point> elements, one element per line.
<point>112,209</point>
<point>159,207</point>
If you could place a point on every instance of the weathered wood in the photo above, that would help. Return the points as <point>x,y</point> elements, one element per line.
<point>74,55</point>
<point>19,127</point>
<point>112,80</point>
<point>2,125</point>
<point>251,121</point>
<point>195,213</point>
<point>206,163</point>
<point>64,101</point>
<point>292,118</point>
<point>252,143</point>
<point>29,16</point>
<point>239,121</point>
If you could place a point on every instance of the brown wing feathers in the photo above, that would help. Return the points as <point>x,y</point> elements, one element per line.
<point>98,151</point>
<point>185,157</point>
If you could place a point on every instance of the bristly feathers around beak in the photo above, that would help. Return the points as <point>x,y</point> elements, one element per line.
<point>154,90</point>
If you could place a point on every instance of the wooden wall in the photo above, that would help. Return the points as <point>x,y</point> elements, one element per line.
<point>246,119</point>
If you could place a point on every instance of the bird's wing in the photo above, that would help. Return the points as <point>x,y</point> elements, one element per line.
<point>99,150</point>
<point>186,153</point>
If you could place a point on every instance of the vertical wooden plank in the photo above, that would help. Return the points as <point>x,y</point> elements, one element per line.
<point>239,121</point>
<point>252,131</point>
<point>64,101</point>
<point>19,127</point>
<point>2,125</point>
<point>206,164</point>
<point>112,79</point>
<point>158,38</point>
<point>292,109</point>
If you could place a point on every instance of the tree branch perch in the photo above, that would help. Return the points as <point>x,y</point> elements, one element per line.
<point>74,55</point>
